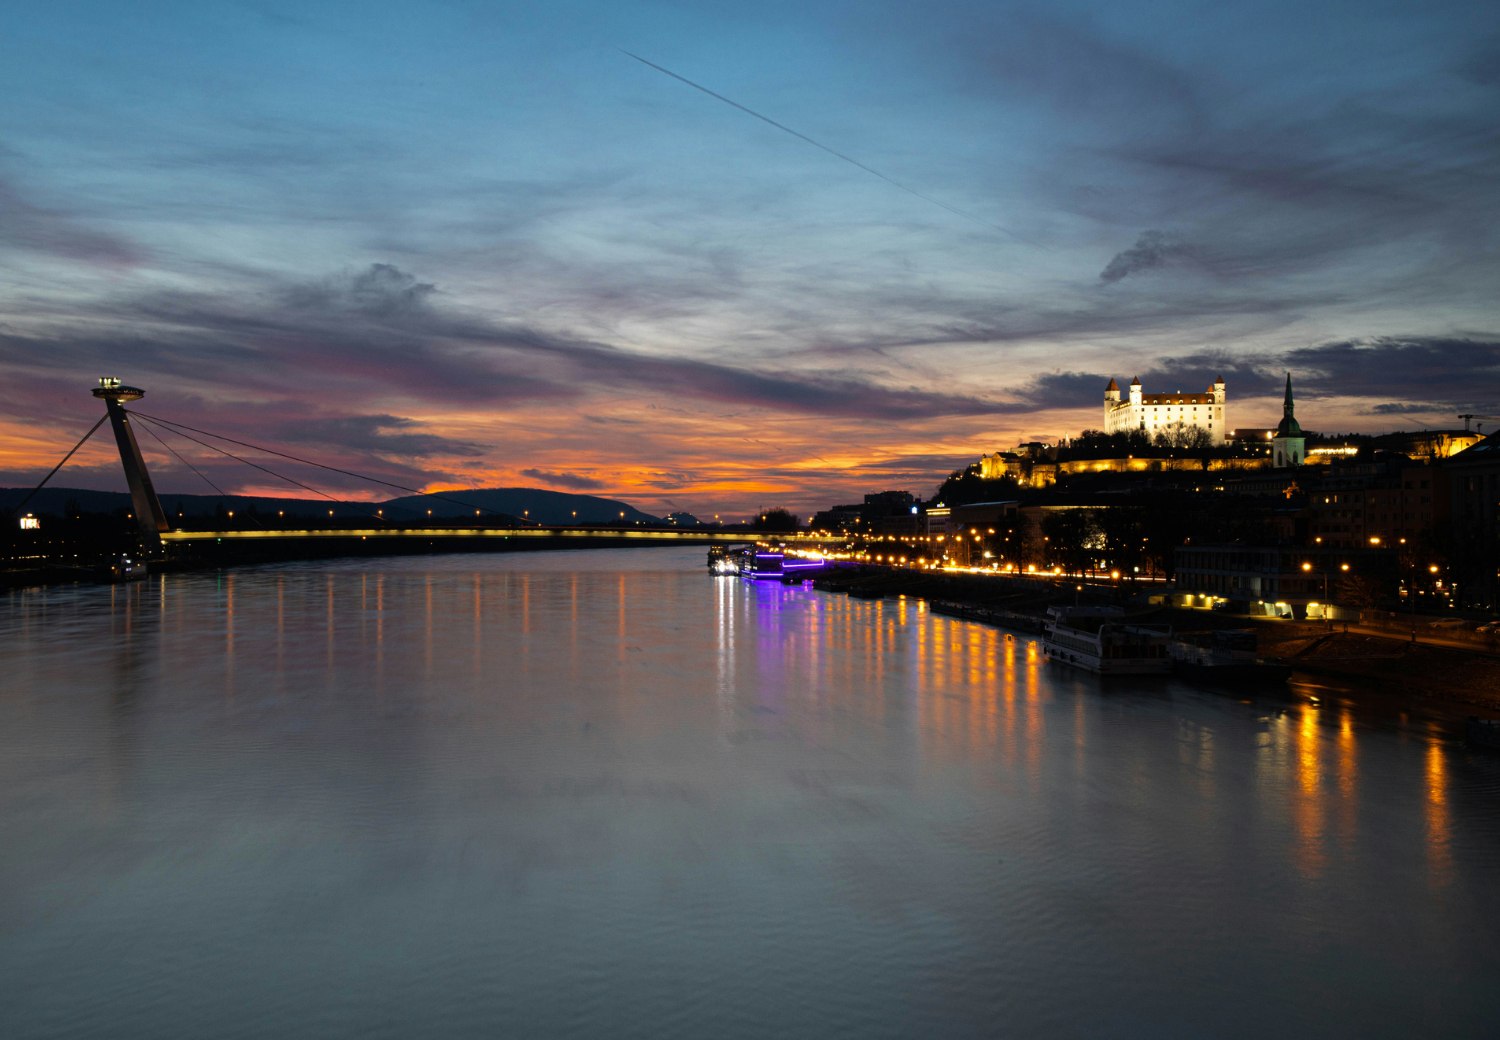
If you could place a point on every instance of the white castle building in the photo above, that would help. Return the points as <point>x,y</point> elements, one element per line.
<point>1165,413</point>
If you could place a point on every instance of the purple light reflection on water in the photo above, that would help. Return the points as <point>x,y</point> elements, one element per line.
<point>591,793</point>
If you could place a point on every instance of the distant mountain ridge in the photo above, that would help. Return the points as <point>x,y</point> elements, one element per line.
<point>537,505</point>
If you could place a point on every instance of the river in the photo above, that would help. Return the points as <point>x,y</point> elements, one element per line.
<point>600,793</point>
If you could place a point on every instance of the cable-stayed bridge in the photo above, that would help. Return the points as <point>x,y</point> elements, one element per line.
<point>490,530</point>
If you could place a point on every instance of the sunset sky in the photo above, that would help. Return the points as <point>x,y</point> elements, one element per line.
<point>480,244</point>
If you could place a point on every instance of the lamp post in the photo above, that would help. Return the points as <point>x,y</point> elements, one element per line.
<point>1307,569</point>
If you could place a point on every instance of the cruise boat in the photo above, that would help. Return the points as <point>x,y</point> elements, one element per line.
<point>1226,656</point>
<point>760,563</point>
<point>724,559</point>
<point>1101,640</point>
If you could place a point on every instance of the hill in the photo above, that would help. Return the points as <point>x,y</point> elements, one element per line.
<point>534,504</point>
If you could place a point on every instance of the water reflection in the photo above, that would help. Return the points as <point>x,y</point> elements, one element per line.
<point>445,794</point>
<point>1439,840</point>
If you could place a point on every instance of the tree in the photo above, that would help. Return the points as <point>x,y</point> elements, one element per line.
<point>775,520</point>
<point>1072,538</point>
<point>965,486</point>
<point>1183,436</point>
<point>1122,530</point>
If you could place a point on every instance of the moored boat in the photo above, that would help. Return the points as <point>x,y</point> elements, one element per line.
<point>122,568</point>
<point>1483,733</point>
<point>761,564</point>
<point>1226,656</point>
<point>724,559</point>
<point>1101,640</point>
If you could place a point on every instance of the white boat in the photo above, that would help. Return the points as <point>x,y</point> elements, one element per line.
<point>724,559</point>
<point>1101,640</point>
<point>1226,656</point>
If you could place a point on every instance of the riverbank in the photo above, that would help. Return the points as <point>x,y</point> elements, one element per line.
<point>1395,664</point>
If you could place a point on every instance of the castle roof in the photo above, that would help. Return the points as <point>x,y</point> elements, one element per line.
<point>1207,398</point>
<point>1136,381</point>
<point>1113,386</point>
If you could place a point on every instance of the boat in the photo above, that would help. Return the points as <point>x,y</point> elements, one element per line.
<point>1102,640</point>
<point>122,568</point>
<point>987,615</point>
<point>760,563</point>
<point>724,559</point>
<point>1226,656</point>
<point>1483,733</point>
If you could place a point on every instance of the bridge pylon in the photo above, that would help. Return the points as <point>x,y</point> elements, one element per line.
<point>150,518</point>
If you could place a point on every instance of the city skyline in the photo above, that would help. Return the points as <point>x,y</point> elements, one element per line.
<point>462,247</point>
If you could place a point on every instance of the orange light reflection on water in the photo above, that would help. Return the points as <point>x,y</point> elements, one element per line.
<point>1439,836</point>
<point>1309,817</point>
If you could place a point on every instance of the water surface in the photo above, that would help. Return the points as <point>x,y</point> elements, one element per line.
<point>602,794</point>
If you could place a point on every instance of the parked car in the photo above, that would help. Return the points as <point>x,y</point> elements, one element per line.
<point>1449,622</point>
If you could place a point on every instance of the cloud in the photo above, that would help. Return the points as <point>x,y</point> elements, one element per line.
<point>55,232</point>
<point>380,291</point>
<point>1078,72</point>
<point>382,434</point>
<point>1408,408</point>
<point>570,480</point>
<point>1151,250</point>
<point>1449,373</point>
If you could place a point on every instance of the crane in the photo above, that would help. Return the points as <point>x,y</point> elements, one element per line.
<point>1466,416</point>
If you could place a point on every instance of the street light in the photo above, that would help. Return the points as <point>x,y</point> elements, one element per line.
<point>1307,569</point>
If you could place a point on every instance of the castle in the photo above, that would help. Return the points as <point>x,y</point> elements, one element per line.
<point>1165,413</point>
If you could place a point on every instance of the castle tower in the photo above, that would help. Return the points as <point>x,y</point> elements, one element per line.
<point>1111,405</point>
<point>1135,393</point>
<point>149,515</point>
<point>1288,446</point>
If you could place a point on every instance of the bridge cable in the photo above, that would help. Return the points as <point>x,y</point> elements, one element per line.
<point>232,455</point>
<point>178,427</point>
<point>222,496</point>
<point>60,465</point>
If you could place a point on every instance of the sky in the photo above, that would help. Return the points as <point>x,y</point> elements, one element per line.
<point>723,257</point>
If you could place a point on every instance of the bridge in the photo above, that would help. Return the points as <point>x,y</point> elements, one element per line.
<point>376,536</point>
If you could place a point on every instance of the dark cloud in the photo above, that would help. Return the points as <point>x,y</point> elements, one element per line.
<point>381,291</point>
<point>1408,408</point>
<point>1194,372</point>
<point>1078,72</point>
<point>382,434</point>
<point>1152,249</point>
<point>381,332</point>
<point>1055,389</point>
<point>1458,374</point>
<point>1482,66</point>
<point>53,231</point>
<point>569,480</point>
<point>1264,180</point>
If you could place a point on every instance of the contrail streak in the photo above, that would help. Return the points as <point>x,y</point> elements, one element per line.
<point>818,144</point>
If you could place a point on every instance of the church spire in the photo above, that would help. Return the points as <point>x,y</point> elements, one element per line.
<point>1288,445</point>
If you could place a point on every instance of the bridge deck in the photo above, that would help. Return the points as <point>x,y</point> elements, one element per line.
<point>582,534</point>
